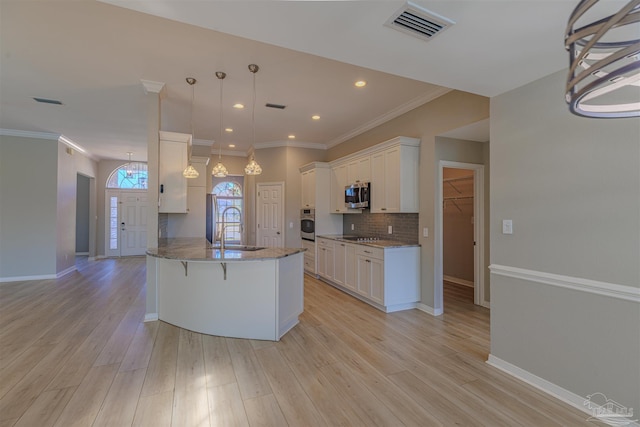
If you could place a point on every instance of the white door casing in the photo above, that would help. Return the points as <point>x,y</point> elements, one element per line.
<point>270,215</point>
<point>478,234</point>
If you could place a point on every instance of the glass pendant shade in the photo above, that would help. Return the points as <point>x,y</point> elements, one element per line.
<point>219,171</point>
<point>130,166</point>
<point>190,172</point>
<point>253,168</point>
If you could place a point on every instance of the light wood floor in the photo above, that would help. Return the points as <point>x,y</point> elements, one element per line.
<point>74,352</point>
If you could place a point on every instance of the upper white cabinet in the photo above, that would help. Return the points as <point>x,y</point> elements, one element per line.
<point>308,195</point>
<point>359,170</point>
<point>339,180</point>
<point>173,161</point>
<point>394,179</point>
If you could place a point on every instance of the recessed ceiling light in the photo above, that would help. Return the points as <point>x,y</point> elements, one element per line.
<point>360,83</point>
<point>228,130</point>
<point>292,137</point>
<point>238,106</point>
<point>315,117</point>
<point>232,145</point>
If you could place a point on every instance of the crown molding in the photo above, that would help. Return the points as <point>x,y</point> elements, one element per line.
<point>392,114</point>
<point>297,144</point>
<point>30,134</point>
<point>202,142</point>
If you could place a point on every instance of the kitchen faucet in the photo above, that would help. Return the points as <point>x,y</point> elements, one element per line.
<point>224,225</point>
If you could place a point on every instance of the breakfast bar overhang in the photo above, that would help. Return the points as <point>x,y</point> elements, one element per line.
<point>240,292</point>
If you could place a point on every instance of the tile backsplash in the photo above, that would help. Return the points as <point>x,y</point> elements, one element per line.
<point>366,224</point>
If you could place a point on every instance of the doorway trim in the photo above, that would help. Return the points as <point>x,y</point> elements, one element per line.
<point>478,234</point>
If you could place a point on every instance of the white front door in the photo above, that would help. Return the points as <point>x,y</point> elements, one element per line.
<point>126,213</point>
<point>270,213</point>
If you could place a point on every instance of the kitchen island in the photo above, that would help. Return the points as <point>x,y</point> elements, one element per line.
<point>240,292</point>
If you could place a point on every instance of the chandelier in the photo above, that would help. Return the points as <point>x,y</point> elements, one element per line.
<point>253,168</point>
<point>219,171</point>
<point>604,63</point>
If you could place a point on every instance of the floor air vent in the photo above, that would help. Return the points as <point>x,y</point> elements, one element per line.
<point>418,22</point>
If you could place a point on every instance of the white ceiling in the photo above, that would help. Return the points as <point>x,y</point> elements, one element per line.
<point>92,55</point>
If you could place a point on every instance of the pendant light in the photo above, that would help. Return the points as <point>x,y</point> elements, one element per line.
<point>219,171</point>
<point>253,168</point>
<point>604,62</point>
<point>190,172</point>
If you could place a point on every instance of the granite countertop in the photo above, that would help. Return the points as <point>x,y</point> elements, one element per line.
<point>199,249</point>
<point>378,243</point>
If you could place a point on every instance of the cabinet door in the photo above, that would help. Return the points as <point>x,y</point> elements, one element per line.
<point>364,169</point>
<point>351,267</point>
<point>330,260</point>
<point>392,172</point>
<point>338,182</point>
<point>378,184</point>
<point>364,276</point>
<point>339,266</point>
<point>322,261</point>
<point>173,186</point>
<point>377,280</point>
<point>308,189</point>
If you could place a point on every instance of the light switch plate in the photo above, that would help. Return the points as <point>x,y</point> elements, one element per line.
<point>390,231</point>
<point>507,226</point>
<point>425,232</point>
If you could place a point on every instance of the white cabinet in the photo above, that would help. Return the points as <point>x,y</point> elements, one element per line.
<point>173,161</point>
<point>359,170</point>
<point>371,273</point>
<point>339,262</point>
<point>309,256</point>
<point>387,278</point>
<point>308,196</point>
<point>338,182</point>
<point>394,180</point>
<point>325,258</point>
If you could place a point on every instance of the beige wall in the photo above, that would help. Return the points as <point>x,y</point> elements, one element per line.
<point>571,186</point>
<point>450,111</point>
<point>37,211</point>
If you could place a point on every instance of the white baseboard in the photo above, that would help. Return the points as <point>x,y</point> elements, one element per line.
<point>432,311</point>
<point>151,317</point>
<point>458,281</point>
<point>486,304</point>
<point>82,253</point>
<point>27,278</point>
<point>548,387</point>
<point>65,272</point>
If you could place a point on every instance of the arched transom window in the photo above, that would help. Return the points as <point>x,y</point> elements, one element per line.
<point>132,176</point>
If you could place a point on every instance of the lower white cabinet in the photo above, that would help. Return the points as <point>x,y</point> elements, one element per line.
<point>309,256</point>
<point>387,278</point>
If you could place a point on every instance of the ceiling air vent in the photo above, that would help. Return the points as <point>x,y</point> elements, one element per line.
<point>418,22</point>
<point>47,101</point>
<point>278,106</point>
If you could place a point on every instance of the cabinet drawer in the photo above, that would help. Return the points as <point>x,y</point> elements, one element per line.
<point>370,252</point>
<point>325,243</point>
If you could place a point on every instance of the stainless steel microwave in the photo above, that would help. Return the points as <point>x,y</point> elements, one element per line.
<point>356,195</point>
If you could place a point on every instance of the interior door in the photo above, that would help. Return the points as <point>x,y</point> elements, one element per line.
<point>270,213</point>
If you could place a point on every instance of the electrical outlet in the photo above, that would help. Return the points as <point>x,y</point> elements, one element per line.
<point>425,232</point>
<point>390,230</point>
<point>507,226</point>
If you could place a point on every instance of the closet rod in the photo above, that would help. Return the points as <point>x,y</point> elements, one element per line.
<point>458,198</point>
<point>462,178</point>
